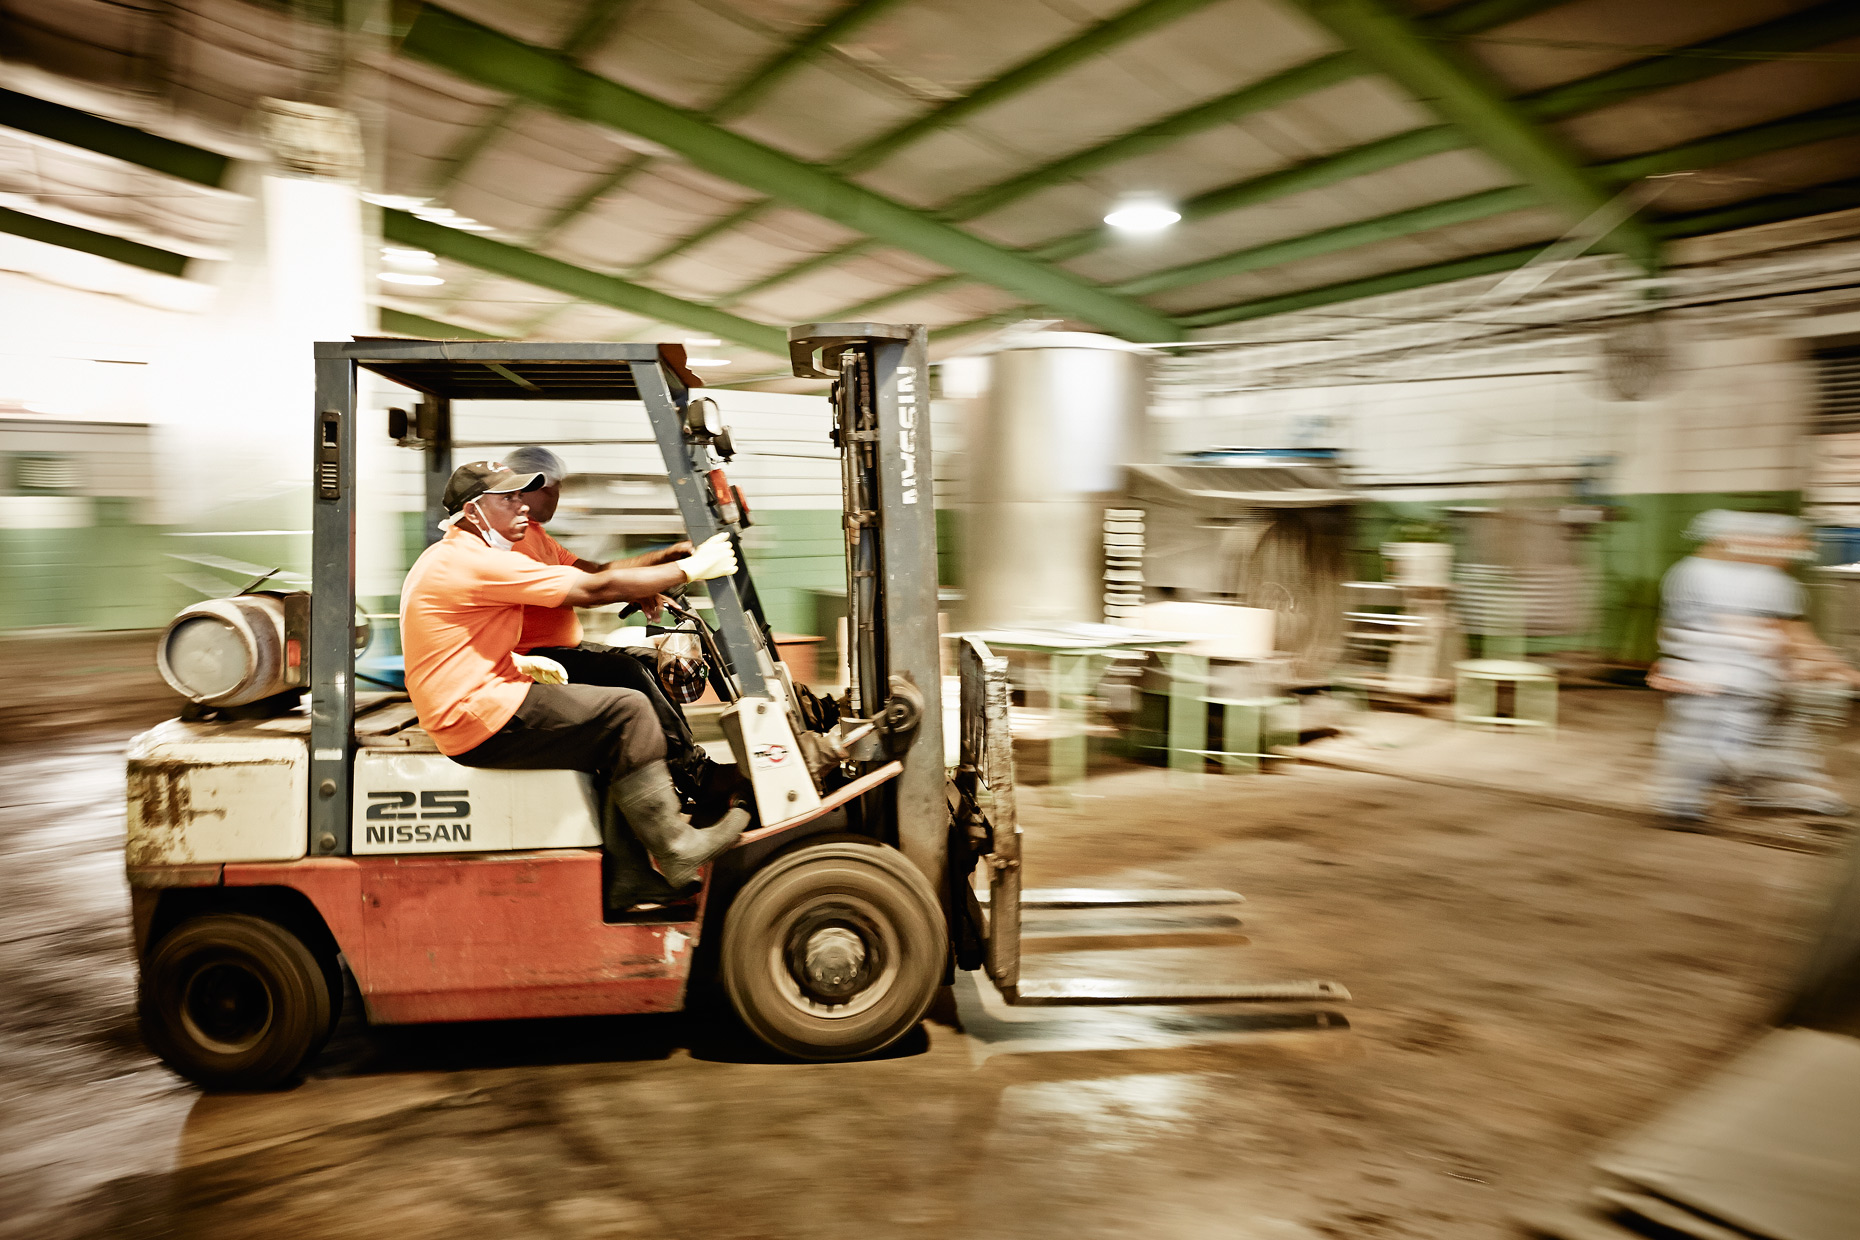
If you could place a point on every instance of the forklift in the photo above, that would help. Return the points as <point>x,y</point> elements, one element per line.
<point>276,843</point>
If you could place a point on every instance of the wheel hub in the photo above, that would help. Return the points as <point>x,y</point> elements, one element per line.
<point>833,955</point>
<point>226,1007</point>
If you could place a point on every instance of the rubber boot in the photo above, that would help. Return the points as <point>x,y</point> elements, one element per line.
<point>631,880</point>
<point>651,806</point>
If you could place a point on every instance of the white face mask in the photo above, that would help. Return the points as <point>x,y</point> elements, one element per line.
<point>476,521</point>
<point>490,533</point>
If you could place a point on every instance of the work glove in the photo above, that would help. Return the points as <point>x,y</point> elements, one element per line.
<point>716,557</point>
<point>541,670</point>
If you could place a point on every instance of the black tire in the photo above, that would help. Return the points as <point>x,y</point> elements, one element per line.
<point>234,1002</point>
<point>873,915</point>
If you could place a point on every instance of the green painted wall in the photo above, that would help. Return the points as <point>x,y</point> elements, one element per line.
<point>794,552</point>
<point>118,574</point>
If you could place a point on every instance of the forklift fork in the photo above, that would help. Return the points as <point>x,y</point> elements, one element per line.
<point>985,787</point>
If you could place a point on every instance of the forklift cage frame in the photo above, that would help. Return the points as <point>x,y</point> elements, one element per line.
<point>655,376</point>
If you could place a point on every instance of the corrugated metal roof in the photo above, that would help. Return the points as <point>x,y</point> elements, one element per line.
<point>204,66</point>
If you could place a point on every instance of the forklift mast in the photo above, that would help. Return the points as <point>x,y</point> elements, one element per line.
<point>881,425</point>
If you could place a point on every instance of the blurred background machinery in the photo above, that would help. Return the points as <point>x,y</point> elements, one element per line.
<point>1255,527</point>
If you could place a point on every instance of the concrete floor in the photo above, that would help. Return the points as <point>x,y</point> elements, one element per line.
<point>1602,758</point>
<point>1528,980</point>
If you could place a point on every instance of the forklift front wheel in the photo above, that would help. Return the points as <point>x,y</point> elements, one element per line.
<point>833,951</point>
<point>234,1002</point>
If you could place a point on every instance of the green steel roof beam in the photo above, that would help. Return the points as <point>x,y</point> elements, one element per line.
<point>1139,19</point>
<point>1837,196</point>
<point>589,32</point>
<point>804,267</point>
<point>1330,240</point>
<point>90,241</point>
<point>1600,90</point>
<point>1811,28</point>
<point>1142,17</point>
<point>596,23</point>
<point>93,133</point>
<point>1259,96</point>
<point>466,150</point>
<point>602,186</point>
<point>1799,204</point>
<point>1836,122</point>
<point>1280,88</point>
<point>1641,77</point>
<point>1463,95</point>
<point>500,258</point>
<point>841,25</point>
<point>739,216</point>
<point>856,312</point>
<point>849,19</point>
<point>1001,318</point>
<point>489,57</point>
<point>1368,286</point>
<point>1313,174</point>
<point>1271,92</point>
<point>401,323</point>
<point>1477,16</point>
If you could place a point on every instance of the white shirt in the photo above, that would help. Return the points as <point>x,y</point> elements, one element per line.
<point>1717,623</point>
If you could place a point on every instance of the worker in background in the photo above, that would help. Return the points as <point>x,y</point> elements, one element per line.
<point>552,640</point>
<point>1733,640</point>
<point>462,614</point>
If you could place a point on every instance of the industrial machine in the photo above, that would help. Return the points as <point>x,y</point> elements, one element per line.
<point>1261,527</point>
<point>271,845</point>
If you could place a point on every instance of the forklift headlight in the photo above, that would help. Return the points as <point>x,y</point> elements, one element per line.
<point>702,417</point>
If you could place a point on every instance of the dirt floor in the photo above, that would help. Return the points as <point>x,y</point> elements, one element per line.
<point>1528,981</point>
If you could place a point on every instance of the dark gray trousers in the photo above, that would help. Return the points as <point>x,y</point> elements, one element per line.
<point>606,731</point>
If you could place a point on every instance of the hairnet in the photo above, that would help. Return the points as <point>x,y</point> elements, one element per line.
<point>534,459</point>
<point>1781,525</point>
<point>1722,523</point>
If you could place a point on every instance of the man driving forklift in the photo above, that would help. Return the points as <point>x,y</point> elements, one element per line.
<point>462,615</point>
<point>551,643</point>
<point>551,650</point>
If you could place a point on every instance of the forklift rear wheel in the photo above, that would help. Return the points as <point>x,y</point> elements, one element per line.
<point>234,1002</point>
<point>833,951</point>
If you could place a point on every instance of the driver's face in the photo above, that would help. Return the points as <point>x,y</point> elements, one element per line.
<point>543,501</point>
<point>507,514</point>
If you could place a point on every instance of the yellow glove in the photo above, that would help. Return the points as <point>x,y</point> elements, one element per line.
<point>715,557</point>
<point>542,671</point>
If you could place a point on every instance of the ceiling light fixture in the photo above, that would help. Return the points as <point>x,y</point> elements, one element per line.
<point>398,202</point>
<point>408,258</point>
<point>406,277</point>
<point>1142,216</point>
<point>448,217</point>
<point>702,342</point>
<point>707,361</point>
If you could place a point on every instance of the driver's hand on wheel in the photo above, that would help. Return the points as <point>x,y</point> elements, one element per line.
<point>716,557</point>
<point>543,671</point>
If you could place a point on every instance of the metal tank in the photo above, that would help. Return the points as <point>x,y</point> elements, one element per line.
<point>1048,440</point>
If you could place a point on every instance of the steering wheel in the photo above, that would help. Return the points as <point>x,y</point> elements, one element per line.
<point>707,641</point>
